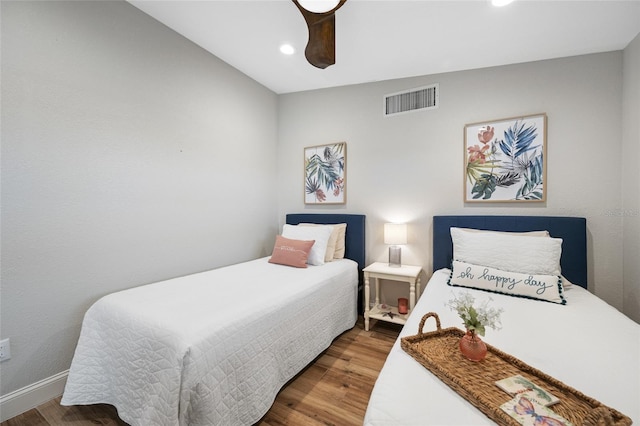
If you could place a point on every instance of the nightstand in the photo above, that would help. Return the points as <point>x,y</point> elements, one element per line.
<point>379,270</point>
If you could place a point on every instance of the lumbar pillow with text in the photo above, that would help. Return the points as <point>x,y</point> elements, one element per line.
<point>291,252</point>
<point>530,286</point>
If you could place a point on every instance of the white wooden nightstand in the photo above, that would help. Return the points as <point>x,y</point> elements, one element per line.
<point>379,270</point>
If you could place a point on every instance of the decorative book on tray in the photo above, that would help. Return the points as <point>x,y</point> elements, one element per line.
<point>529,413</point>
<point>530,402</point>
<point>519,386</point>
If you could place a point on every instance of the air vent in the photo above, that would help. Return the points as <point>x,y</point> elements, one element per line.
<point>413,100</point>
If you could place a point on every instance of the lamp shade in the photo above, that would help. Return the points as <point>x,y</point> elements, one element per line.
<point>395,233</point>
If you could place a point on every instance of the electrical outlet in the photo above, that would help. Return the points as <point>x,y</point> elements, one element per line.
<point>5,350</point>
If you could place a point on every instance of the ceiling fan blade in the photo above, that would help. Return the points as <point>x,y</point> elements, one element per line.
<point>321,47</point>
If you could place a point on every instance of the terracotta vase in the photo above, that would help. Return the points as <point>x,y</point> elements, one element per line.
<point>472,347</point>
<point>403,306</point>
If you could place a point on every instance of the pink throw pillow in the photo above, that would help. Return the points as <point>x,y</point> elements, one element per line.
<point>291,252</point>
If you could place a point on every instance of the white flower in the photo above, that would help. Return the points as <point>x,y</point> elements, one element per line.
<point>475,319</point>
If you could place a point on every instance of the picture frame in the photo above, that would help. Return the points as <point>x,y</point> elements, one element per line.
<point>325,172</point>
<point>505,160</point>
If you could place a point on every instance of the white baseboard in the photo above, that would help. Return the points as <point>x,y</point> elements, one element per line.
<point>20,401</point>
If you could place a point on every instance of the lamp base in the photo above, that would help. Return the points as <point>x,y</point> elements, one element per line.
<point>395,254</point>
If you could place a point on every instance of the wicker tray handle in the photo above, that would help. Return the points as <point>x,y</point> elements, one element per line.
<point>425,318</point>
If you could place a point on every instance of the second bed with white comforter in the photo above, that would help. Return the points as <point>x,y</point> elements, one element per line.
<point>587,344</point>
<point>560,329</point>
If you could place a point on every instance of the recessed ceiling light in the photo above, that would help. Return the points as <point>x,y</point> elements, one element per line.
<point>500,3</point>
<point>287,49</point>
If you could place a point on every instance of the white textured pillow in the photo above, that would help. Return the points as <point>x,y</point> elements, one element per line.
<point>514,253</point>
<point>530,286</point>
<point>527,233</point>
<point>320,234</point>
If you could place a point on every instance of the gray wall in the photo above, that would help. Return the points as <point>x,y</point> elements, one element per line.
<point>129,155</point>
<point>631,178</point>
<point>410,167</point>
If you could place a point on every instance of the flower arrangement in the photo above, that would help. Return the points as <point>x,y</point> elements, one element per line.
<point>475,319</point>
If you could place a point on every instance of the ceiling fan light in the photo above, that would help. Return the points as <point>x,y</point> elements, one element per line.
<point>318,6</point>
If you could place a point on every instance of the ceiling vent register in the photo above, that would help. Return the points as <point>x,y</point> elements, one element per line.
<point>421,98</point>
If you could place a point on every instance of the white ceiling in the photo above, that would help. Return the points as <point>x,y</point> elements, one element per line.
<point>381,40</point>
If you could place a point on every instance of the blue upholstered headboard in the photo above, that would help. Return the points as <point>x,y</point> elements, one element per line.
<point>572,230</point>
<point>354,237</point>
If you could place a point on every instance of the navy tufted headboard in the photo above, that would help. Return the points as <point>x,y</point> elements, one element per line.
<point>572,230</point>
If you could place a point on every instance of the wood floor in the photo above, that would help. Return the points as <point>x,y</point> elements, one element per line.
<point>332,390</point>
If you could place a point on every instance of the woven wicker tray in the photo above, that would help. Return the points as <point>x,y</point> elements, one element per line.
<point>438,351</point>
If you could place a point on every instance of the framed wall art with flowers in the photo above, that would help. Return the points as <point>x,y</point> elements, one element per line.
<point>506,160</point>
<point>325,168</point>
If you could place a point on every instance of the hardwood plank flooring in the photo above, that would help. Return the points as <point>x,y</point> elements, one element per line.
<point>333,390</point>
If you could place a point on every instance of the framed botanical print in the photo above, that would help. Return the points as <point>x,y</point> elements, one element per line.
<point>325,169</point>
<point>506,160</point>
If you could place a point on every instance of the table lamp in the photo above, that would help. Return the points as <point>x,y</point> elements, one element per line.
<point>395,234</point>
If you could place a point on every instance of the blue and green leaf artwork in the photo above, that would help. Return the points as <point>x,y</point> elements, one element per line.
<point>324,170</point>
<point>505,160</point>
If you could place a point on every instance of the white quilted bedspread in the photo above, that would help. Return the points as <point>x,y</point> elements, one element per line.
<point>212,348</point>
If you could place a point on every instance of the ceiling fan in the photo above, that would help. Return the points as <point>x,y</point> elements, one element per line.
<point>321,22</point>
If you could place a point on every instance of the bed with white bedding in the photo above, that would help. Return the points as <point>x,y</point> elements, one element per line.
<point>585,343</point>
<point>214,348</point>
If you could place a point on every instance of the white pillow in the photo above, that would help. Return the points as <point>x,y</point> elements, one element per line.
<point>530,286</point>
<point>331,245</point>
<point>320,234</point>
<point>513,253</point>
<point>340,241</point>
<point>527,233</point>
